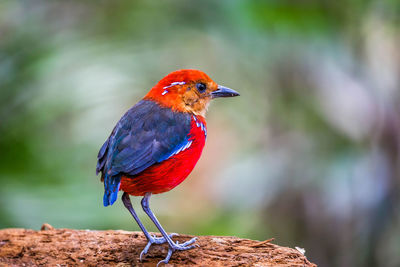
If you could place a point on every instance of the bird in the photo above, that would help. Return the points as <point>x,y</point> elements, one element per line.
<point>156,144</point>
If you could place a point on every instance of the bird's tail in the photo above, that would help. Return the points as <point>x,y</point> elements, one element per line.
<point>111,188</point>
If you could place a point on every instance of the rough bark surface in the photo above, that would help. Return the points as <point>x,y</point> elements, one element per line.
<point>66,247</point>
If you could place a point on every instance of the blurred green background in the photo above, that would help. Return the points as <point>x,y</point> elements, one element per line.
<point>308,154</point>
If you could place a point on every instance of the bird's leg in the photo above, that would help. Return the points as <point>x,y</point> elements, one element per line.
<point>151,239</point>
<point>172,245</point>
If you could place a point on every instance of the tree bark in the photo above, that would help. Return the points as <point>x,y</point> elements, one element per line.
<point>66,247</point>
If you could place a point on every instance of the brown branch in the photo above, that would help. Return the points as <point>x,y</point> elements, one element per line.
<point>65,247</point>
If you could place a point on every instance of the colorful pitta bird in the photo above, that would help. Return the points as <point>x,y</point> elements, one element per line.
<point>156,145</point>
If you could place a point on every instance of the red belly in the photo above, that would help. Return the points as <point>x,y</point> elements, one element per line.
<point>164,176</point>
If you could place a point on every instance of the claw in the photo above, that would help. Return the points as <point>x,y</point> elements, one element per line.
<point>176,246</point>
<point>145,250</point>
<point>166,260</point>
<point>154,240</point>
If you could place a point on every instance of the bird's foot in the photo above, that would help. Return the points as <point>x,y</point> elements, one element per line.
<point>176,246</point>
<point>154,240</point>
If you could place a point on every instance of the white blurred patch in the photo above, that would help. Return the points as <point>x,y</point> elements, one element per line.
<point>383,55</point>
<point>301,250</point>
<point>346,102</point>
<point>98,88</point>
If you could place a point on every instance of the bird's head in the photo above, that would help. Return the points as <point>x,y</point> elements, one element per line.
<point>188,91</point>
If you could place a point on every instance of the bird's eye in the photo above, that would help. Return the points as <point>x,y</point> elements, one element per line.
<point>201,87</point>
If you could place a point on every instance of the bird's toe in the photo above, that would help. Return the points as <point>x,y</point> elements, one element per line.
<point>155,240</point>
<point>189,242</point>
<point>176,247</point>
<point>184,246</point>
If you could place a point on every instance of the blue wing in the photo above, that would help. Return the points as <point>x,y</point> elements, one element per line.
<point>147,134</point>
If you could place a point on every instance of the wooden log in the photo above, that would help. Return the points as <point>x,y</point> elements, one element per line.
<point>66,247</point>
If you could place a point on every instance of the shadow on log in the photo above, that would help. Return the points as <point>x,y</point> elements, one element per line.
<point>65,247</point>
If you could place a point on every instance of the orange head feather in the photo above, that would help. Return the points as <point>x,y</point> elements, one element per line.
<point>187,91</point>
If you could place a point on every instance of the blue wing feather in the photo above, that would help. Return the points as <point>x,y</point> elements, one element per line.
<point>147,134</point>
<point>180,147</point>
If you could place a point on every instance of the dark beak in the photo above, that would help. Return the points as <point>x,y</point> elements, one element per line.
<point>224,92</point>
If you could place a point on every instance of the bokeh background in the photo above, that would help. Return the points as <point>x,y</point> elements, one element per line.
<point>308,154</point>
